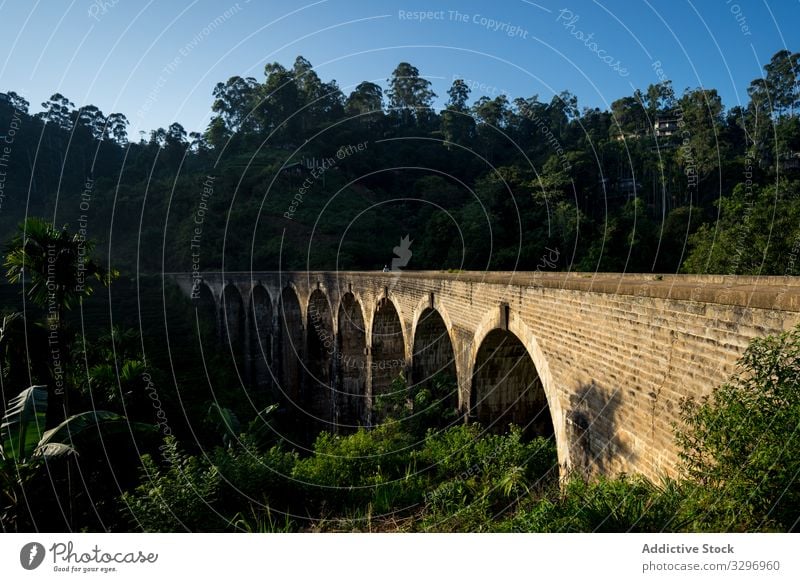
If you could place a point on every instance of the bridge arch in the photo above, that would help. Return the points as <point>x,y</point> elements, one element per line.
<point>232,318</point>
<point>351,344</point>
<point>319,358</point>
<point>433,352</point>
<point>510,379</point>
<point>388,348</point>
<point>261,337</point>
<point>290,345</point>
<point>206,305</point>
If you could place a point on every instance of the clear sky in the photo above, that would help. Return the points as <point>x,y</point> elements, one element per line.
<point>157,61</point>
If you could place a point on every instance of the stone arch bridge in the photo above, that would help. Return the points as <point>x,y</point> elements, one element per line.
<point>599,361</point>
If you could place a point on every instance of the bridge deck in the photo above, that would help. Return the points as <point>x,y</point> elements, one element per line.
<point>767,292</point>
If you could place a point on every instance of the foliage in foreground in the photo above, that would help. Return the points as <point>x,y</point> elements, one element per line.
<point>39,470</point>
<point>206,493</point>
<point>738,447</point>
<point>607,505</point>
<point>742,442</point>
<point>355,479</point>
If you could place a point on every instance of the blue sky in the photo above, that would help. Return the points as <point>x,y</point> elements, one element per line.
<point>157,62</point>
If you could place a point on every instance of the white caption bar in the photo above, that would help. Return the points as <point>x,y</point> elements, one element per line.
<point>390,557</point>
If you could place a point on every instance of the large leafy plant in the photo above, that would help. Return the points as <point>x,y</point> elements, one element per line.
<point>28,451</point>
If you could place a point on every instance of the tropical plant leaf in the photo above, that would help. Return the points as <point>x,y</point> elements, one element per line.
<point>225,421</point>
<point>52,451</point>
<point>13,325</point>
<point>132,370</point>
<point>47,258</point>
<point>92,423</point>
<point>24,422</point>
<point>262,417</point>
<point>260,428</point>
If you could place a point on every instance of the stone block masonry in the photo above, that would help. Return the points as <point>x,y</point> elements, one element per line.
<point>599,361</point>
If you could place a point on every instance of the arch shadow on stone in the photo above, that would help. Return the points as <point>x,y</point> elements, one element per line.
<point>593,431</point>
<point>290,348</point>
<point>232,328</point>
<point>206,308</point>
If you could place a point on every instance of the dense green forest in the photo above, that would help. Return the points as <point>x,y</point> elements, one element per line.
<point>121,412</point>
<point>293,173</point>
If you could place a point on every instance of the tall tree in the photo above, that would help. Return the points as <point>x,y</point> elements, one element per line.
<point>18,102</point>
<point>660,99</point>
<point>492,116</point>
<point>702,115</point>
<point>197,142</point>
<point>279,101</point>
<point>410,95</point>
<point>158,137</point>
<point>527,119</point>
<point>176,136</point>
<point>116,128</point>
<point>310,92</point>
<point>321,101</point>
<point>629,116</point>
<point>459,95</point>
<point>330,106</point>
<point>234,101</point>
<point>758,122</point>
<point>59,111</point>
<point>366,101</point>
<point>217,134</point>
<point>93,120</point>
<point>458,125</point>
<point>782,76</point>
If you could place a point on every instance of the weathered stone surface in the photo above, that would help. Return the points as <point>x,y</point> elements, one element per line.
<point>610,356</point>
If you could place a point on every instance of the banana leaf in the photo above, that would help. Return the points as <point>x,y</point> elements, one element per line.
<point>24,423</point>
<point>52,451</point>
<point>90,425</point>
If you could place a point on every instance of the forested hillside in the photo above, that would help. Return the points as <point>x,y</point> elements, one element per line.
<point>294,173</point>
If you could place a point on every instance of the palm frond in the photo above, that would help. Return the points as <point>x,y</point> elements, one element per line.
<point>24,422</point>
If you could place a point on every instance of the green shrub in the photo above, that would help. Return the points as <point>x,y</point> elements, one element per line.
<point>262,480</point>
<point>474,477</point>
<point>207,494</point>
<point>624,504</point>
<point>465,451</point>
<point>742,443</point>
<point>178,497</point>
<point>345,470</point>
<point>421,407</point>
<point>457,506</point>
